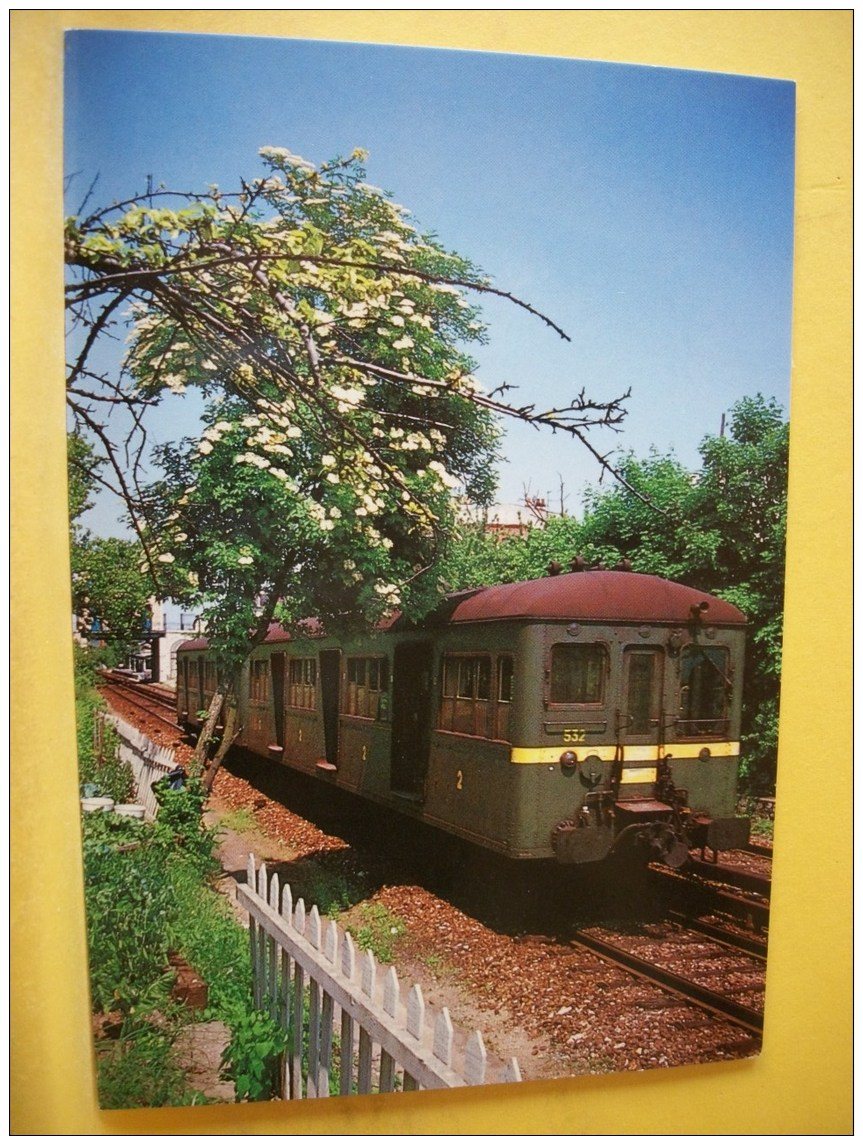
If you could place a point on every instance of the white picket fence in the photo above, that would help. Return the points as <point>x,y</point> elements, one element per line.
<point>343,1019</point>
<point>149,761</point>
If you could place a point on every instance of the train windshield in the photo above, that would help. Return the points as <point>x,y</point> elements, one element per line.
<point>577,674</point>
<point>705,691</point>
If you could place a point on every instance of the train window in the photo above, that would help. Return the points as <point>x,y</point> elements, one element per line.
<point>366,686</point>
<point>303,684</point>
<point>643,686</point>
<point>466,694</point>
<point>504,678</point>
<point>210,677</point>
<point>504,696</point>
<point>474,678</point>
<point>577,674</point>
<point>705,687</point>
<point>259,682</point>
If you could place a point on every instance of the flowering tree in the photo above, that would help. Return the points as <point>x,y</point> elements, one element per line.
<point>328,336</point>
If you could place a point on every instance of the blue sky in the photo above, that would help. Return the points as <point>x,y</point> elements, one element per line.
<point>648,211</point>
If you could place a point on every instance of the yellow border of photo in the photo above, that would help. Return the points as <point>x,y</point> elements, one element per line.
<point>802,1081</point>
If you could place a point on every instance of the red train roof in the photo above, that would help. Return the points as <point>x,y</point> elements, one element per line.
<point>596,596</point>
<point>593,596</point>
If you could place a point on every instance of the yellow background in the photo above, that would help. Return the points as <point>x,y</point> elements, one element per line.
<point>802,1081</point>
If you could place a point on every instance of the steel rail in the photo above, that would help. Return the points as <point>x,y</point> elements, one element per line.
<point>706,999</point>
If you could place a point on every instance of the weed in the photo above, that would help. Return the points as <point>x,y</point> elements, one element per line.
<point>329,891</point>
<point>139,1070</point>
<point>439,967</point>
<point>762,826</point>
<point>240,820</point>
<point>374,928</point>
<point>204,932</point>
<point>252,1058</point>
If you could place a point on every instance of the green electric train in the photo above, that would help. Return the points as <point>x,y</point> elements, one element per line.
<point>568,717</point>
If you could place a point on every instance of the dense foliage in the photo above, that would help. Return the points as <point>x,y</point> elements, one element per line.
<point>99,764</point>
<point>147,892</point>
<point>110,595</point>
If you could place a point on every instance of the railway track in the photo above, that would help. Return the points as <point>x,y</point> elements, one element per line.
<point>155,701</point>
<point>717,889</point>
<point>662,960</point>
<point>731,876</point>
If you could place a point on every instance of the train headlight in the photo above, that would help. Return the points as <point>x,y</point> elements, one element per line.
<point>568,760</point>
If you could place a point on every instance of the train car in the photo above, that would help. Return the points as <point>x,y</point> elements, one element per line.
<point>567,717</point>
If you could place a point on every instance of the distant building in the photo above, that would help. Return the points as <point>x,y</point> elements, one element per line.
<point>154,657</point>
<point>503,520</point>
<point>169,631</point>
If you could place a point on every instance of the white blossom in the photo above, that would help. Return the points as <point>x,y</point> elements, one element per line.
<point>350,395</point>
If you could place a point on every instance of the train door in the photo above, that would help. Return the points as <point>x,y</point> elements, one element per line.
<point>412,710</point>
<point>182,689</point>
<point>643,722</point>
<point>330,666</point>
<point>277,685</point>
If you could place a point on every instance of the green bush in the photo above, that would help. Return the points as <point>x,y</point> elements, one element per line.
<point>99,761</point>
<point>181,818</point>
<point>147,894</point>
<point>139,1070</point>
<point>128,903</point>
<point>253,1057</point>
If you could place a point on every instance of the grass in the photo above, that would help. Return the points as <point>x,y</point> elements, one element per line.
<point>375,929</point>
<point>438,966</point>
<point>331,892</point>
<point>241,820</point>
<point>763,827</point>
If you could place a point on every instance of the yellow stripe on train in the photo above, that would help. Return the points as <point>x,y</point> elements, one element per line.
<point>541,755</point>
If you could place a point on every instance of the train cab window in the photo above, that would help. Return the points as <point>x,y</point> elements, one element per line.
<point>259,682</point>
<point>578,674</point>
<point>367,687</point>
<point>705,687</point>
<point>303,684</point>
